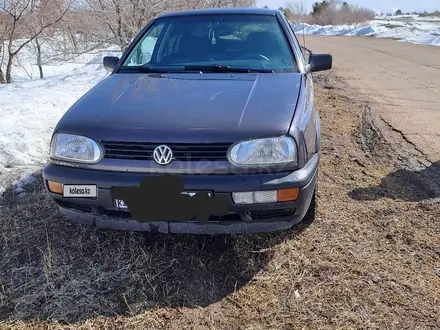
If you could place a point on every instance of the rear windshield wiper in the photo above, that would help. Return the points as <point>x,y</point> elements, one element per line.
<point>224,68</point>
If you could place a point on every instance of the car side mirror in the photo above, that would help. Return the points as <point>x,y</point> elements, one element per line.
<point>319,62</point>
<point>110,62</point>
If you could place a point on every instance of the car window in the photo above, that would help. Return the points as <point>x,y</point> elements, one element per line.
<point>143,51</point>
<point>245,41</point>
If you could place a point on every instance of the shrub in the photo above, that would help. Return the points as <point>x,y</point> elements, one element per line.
<point>330,12</point>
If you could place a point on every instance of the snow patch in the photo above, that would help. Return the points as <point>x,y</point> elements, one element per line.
<point>30,109</point>
<point>413,29</point>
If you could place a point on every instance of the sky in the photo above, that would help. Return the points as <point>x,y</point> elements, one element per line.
<point>383,6</point>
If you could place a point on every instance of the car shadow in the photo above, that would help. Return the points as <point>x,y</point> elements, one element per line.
<point>403,184</point>
<point>53,270</point>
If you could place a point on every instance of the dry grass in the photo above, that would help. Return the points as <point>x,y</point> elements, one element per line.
<point>361,264</point>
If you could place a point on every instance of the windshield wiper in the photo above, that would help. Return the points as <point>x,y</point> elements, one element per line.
<point>146,69</point>
<point>224,68</point>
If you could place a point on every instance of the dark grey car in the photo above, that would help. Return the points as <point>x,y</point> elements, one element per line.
<point>222,98</point>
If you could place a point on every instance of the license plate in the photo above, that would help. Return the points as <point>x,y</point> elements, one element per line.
<point>75,190</point>
<point>121,204</point>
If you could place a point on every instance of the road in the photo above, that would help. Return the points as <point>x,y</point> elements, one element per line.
<point>401,80</point>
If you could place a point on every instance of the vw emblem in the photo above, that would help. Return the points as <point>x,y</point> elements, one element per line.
<point>163,155</point>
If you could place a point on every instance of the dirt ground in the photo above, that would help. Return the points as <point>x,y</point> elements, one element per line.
<point>402,81</point>
<point>370,260</point>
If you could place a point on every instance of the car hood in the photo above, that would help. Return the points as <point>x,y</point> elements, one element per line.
<point>190,107</point>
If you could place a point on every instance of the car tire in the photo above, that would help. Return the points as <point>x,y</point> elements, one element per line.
<point>313,208</point>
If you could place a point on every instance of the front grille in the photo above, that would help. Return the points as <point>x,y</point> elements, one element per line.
<point>181,151</point>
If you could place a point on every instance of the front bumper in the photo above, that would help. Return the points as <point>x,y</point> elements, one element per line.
<point>102,211</point>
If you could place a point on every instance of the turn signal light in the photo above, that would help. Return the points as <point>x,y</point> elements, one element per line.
<point>266,196</point>
<point>288,195</point>
<point>55,187</point>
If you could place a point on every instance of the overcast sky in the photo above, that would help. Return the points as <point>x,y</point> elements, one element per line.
<point>377,5</point>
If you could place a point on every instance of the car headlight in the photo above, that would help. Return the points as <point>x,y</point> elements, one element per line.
<point>263,152</point>
<point>74,147</point>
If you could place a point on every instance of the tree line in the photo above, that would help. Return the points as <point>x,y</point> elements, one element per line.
<point>327,12</point>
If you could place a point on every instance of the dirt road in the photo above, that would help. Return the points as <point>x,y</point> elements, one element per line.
<point>400,80</point>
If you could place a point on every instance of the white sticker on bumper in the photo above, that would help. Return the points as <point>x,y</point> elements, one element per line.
<point>79,191</point>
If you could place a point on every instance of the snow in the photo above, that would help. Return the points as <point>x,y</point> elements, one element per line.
<point>30,109</point>
<point>408,28</point>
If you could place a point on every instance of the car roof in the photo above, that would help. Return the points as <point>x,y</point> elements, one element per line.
<point>212,11</point>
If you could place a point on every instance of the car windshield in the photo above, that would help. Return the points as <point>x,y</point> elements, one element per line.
<point>222,41</point>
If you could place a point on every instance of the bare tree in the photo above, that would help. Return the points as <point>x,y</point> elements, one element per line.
<point>26,20</point>
<point>124,18</point>
<point>2,56</point>
<point>328,12</point>
<point>38,51</point>
<point>296,12</point>
<point>3,30</point>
